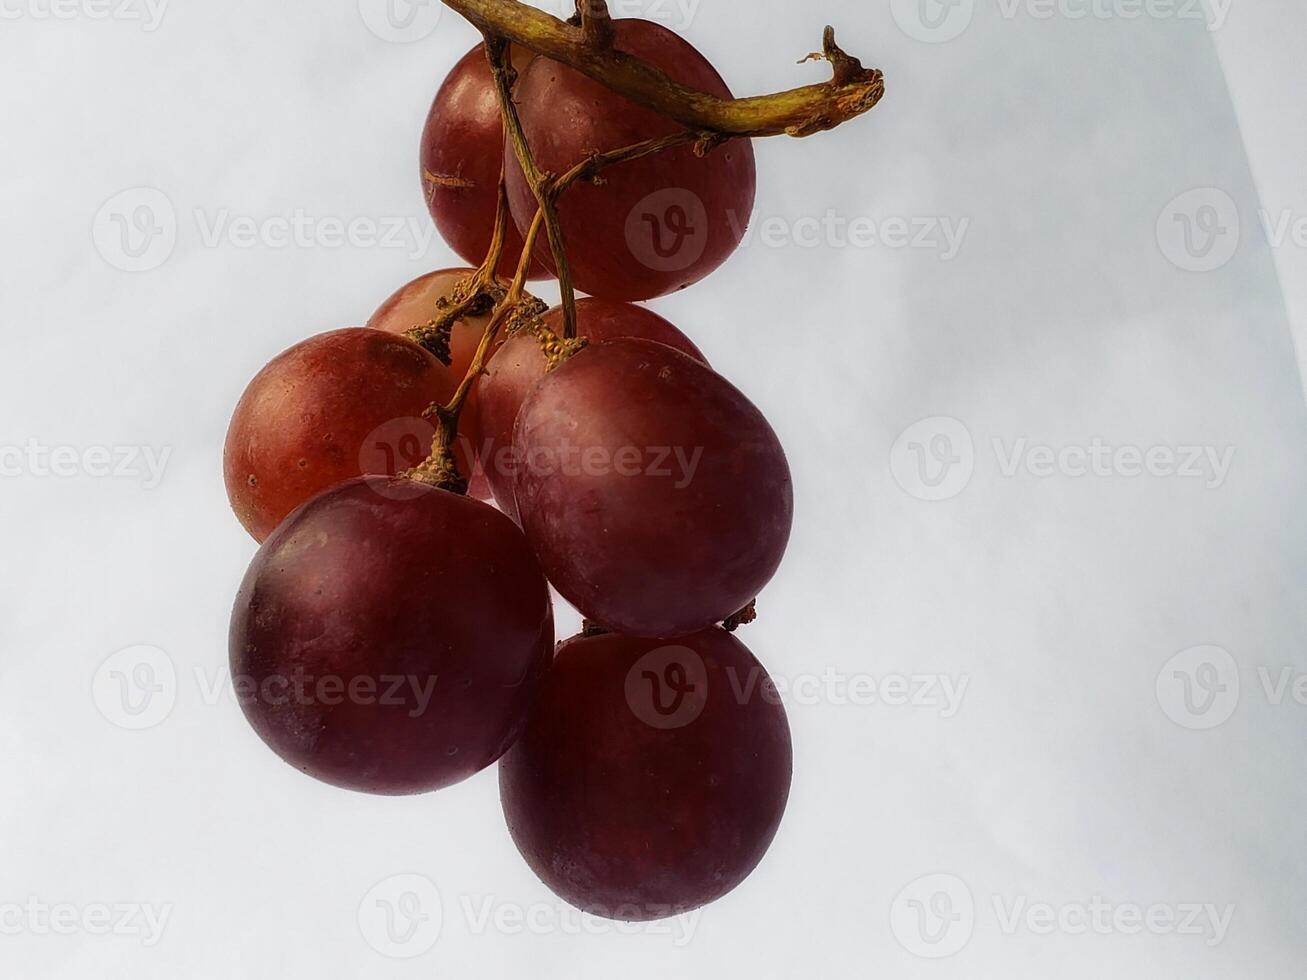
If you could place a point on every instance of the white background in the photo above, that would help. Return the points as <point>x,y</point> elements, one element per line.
<point>1072,774</point>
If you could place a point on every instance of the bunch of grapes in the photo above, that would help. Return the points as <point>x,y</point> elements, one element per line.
<point>395,632</point>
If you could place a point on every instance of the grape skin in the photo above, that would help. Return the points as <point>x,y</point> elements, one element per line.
<point>655,495</point>
<point>631,821</point>
<point>656,224</point>
<point>462,159</point>
<point>323,411</point>
<point>379,581</point>
<point>520,364</point>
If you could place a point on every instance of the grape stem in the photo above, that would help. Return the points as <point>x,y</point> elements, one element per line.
<point>596,22</point>
<point>505,75</point>
<point>480,288</point>
<point>853,91</point>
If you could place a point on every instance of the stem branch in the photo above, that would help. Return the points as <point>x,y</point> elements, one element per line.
<point>505,76</point>
<point>797,112</point>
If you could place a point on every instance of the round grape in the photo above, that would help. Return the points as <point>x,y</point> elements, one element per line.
<point>389,637</point>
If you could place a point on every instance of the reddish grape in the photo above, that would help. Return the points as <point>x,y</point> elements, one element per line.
<point>414,305</point>
<point>389,637</point>
<point>462,159</point>
<point>520,363</point>
<point>333,407</point>
<point>656,496</point>
<point>650,780</point>
<point>655,224</point>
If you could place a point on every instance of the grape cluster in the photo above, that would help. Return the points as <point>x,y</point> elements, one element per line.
<point>395,634</point>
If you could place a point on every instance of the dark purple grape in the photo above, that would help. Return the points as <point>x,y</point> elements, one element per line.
<point>520,364</point>
<point>651,778</point>
<point>656,496</point>
<point>389,636</point>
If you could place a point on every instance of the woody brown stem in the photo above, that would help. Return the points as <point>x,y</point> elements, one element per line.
<point>798,112</point>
